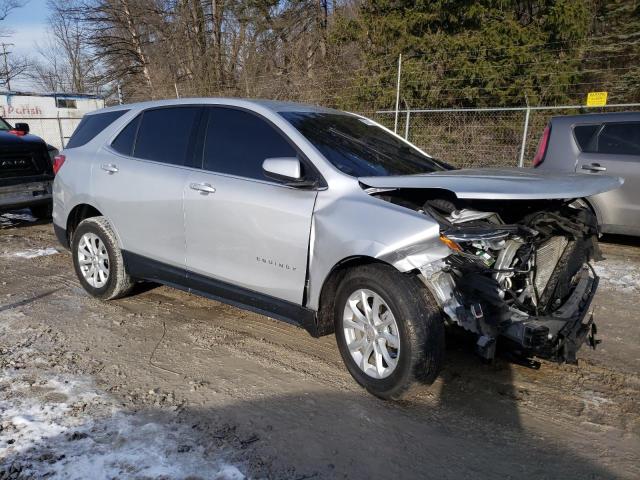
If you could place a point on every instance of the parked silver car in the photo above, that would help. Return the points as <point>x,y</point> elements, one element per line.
<point>330,221</point>
<point>594,145</point>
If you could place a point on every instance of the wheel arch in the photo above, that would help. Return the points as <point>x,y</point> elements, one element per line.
<point>77,214</point>
<point>324,317</point>
<point>594,208</point>
<point>81,212</point>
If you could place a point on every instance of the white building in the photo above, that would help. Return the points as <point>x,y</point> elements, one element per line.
<point>52,116</point>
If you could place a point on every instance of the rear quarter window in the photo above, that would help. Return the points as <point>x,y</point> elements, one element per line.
<point>125,140</point>
<point>92,125</point>
<point>585,135</point>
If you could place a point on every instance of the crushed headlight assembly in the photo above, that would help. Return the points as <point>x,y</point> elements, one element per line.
<point>479,234</point>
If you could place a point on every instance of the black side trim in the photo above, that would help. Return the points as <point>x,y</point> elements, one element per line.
<point>61,235</point>
<point>145,268</point>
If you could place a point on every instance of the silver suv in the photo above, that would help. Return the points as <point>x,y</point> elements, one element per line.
<point>593,145</point>
<point>330,221</point>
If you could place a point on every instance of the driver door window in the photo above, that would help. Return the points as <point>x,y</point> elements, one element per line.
<point>237,142</point>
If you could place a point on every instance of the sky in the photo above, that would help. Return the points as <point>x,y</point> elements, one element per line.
<point>25,27</point>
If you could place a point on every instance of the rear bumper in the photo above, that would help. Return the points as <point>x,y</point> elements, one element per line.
<point>558,336</point>
<point>25,195</point>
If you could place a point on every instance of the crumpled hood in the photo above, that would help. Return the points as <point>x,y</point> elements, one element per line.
<point>503,184</point>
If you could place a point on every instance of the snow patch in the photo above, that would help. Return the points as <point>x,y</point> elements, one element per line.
<point>62,426</point>
<point>619,274</point>
<point>21,216</point>
<point>32,252</point>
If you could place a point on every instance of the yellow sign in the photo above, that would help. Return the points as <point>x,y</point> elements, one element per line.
<point>596,99</point>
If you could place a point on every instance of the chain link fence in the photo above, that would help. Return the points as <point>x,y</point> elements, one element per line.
<point>465,138</point>
<point>481,137</point>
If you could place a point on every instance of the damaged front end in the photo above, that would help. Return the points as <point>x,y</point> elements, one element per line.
<point>518,271</point>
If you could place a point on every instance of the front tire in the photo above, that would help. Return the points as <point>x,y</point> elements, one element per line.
<point>98,261</point>
<point>388,329</point>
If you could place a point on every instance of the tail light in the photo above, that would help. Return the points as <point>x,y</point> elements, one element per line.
<point>542,147</point>
<point>58,161</point>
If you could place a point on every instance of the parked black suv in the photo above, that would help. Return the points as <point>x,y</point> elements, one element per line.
<point>26,170</point>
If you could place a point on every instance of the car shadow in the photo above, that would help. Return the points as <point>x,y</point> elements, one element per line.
<point>299,435</point>
<point>477,387</point>
<point>143,287</point>
<point>466,383</point>
<point>627,240</point>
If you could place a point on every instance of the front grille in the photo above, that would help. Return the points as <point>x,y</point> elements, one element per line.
<point>18,163</point>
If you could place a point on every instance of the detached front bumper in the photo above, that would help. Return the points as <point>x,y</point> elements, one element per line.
<point>558,336</point>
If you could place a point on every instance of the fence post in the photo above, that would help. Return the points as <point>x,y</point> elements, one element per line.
<point>60,130</point>
<point>395,125</point>
<point>406,125</point>
<point>524,137</point>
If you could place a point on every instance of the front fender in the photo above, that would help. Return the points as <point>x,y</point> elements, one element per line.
<point>358,225</point>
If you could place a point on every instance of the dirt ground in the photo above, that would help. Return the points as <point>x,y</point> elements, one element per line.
<point>164,384</point>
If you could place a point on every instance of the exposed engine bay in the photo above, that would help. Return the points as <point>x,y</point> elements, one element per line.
<point>518,271</point>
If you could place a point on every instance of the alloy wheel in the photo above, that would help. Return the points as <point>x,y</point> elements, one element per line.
<point>371,333</point>
<point>93,259</point>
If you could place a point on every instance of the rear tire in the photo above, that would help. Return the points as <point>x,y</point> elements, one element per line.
<point>405,338</point>
<point>98,261</point>
<point>43,211</point>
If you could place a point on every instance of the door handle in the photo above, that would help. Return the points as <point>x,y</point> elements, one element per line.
<point>109,168</point>
<point>203,188</point>
<point>594,167</point>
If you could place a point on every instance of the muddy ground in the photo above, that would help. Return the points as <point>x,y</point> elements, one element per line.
<point>164,384</point>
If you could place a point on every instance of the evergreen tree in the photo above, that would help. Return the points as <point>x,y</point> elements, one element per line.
<point>612,61</point>
<point>470,53</point>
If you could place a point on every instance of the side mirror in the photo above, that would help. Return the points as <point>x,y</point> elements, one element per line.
<point>22,127</point>
<point>283,168</point>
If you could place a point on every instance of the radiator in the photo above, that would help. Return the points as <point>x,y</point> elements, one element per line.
<point>547,258</point>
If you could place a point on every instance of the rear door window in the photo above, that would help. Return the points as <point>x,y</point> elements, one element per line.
<point>167,135</point>
<point>91,125</point>
<point>237,142</point>
<point>620,139</point>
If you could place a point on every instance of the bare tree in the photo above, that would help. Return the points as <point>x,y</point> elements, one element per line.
<point>66,62</point>
<point>119,32</point>
<point>14,66</point>
<point>160,48</point>
<point>10,65</point>
<point>7,6</point>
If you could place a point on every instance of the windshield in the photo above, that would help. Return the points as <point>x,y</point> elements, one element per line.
<point>359,147</point>
<point>4,125</point>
